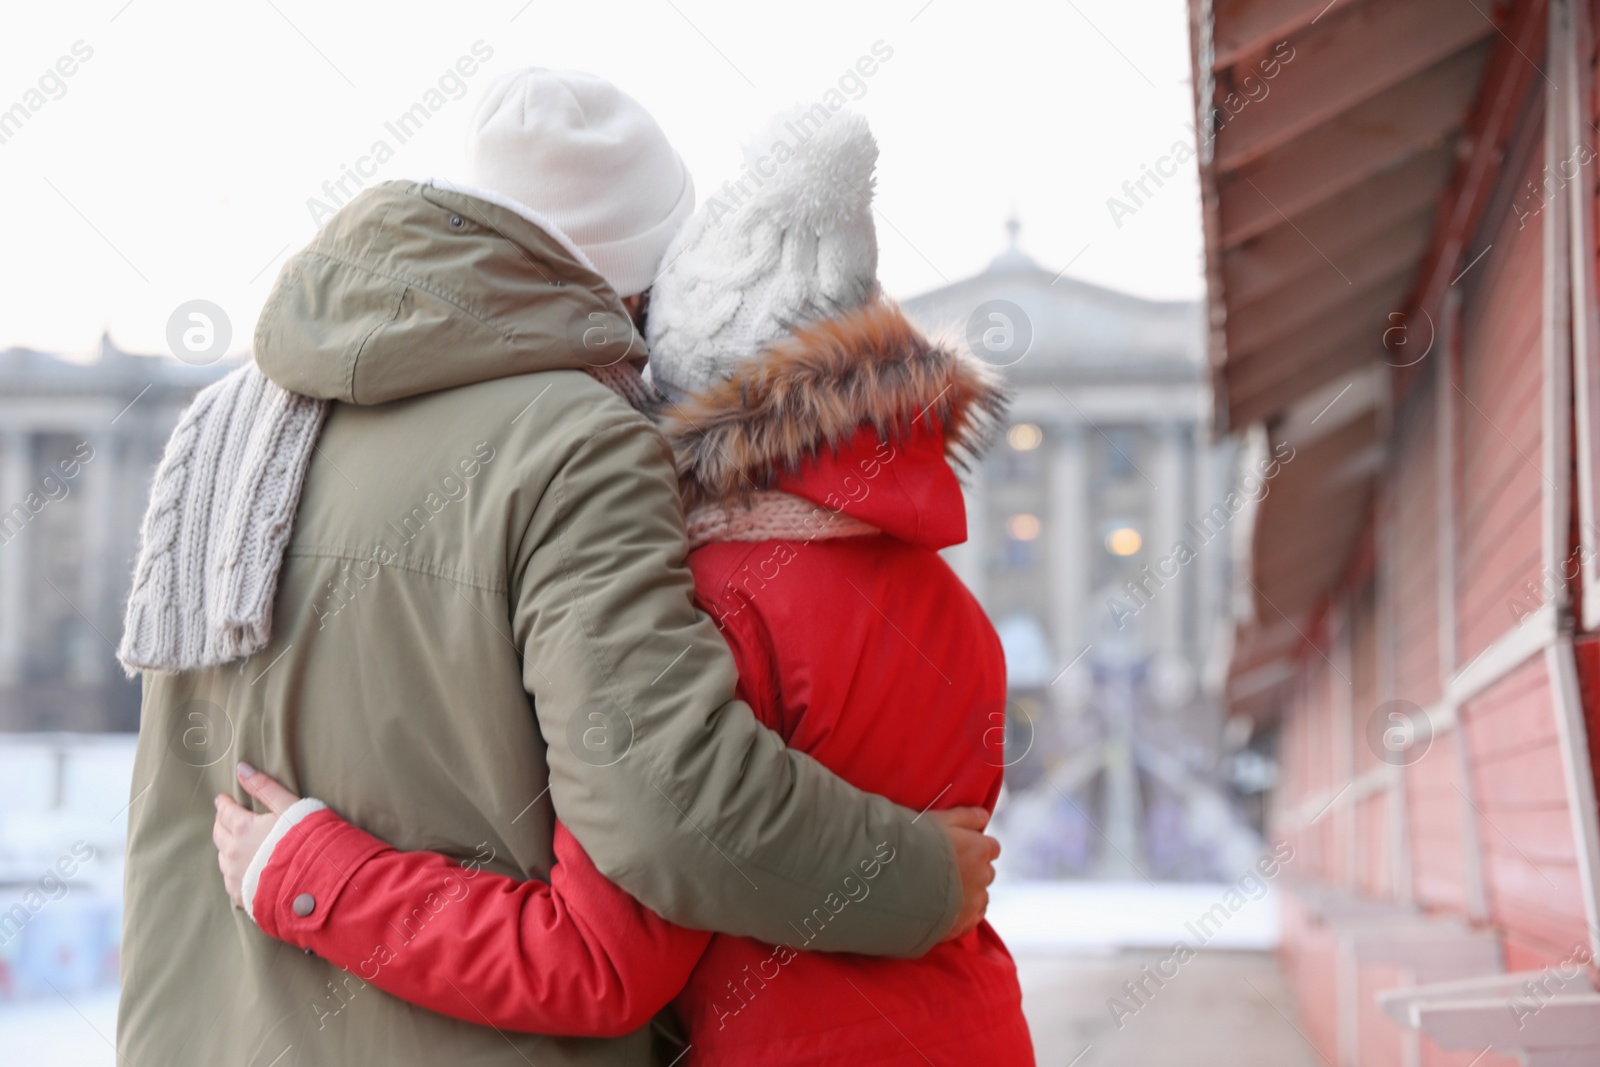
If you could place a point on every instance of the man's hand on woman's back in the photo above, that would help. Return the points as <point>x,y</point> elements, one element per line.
<point>975,856</point>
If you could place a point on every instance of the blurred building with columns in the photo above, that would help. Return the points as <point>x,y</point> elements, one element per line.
<point>1114,636</point>
<point>79,443</point>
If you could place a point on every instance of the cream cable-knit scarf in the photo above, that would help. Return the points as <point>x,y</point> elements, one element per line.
<point>219,519</point>
<point>771,516</point>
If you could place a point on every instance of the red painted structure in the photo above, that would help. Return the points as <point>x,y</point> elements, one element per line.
<point>1402,267</point>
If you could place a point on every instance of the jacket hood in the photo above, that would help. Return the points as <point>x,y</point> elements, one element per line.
<point>859,413</point>
<point>412,288</point>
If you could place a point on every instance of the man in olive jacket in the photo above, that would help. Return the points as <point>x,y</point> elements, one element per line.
<point>483,619</point>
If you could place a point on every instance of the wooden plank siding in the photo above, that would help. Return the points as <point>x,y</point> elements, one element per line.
<point>1380,1043</point>
<point>1323,754</point>
<point>1373,876</point>
<point>1433,806</point>
<point>1434,1056</point>
<point>1500,484</point>
<point>1369,814</point>
<point>1489,481</point>
<point>1530,854</point>
<point>1309,955</point>
<point>1416,545</point>
<point>1493,784</point>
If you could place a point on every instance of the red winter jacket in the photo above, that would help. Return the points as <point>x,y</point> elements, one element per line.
<point>864,651</point>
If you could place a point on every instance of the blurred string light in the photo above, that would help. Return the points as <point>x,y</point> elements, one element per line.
<point>1023,527</point>
<point>1024,437</point>
<point>1124,541</point>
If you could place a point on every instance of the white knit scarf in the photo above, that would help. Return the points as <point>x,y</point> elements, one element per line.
<point>221,511</point>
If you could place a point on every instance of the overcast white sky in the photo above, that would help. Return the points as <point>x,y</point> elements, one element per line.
<point>178,161</point>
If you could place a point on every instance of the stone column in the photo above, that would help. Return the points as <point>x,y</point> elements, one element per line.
<point>1213,592</point>
<point>1166,521</point>
<point>1069,541</point>
<point>1122,807</point>
<point>16,540</point>
<point>968,559</point>
<point>97,482</point>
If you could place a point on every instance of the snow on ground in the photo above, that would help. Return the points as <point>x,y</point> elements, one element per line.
<point>63,829</point>
<point>1078,916</point>
<point>51,1032</point>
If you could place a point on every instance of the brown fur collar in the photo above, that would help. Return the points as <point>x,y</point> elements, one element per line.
<point>814,388</point>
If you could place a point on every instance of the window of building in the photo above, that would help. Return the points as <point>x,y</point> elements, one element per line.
<point>1121,453</point>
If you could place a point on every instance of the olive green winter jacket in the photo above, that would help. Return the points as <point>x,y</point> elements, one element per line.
<point>483,620</point>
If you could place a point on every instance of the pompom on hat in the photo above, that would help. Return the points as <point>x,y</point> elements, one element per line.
<point>791,242</point>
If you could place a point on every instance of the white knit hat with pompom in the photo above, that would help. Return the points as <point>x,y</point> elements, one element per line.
<point>799,247</point>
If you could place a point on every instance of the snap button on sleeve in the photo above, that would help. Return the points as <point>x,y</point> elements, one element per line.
<point>304,904</point>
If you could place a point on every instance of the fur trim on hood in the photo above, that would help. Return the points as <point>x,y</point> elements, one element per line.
<point>814,388</point>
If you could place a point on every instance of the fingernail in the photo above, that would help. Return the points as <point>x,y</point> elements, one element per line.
<point>245,770</point>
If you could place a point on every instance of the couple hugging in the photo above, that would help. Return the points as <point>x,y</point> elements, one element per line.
<point>603,715</point>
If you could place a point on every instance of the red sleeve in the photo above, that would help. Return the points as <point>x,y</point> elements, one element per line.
<point>577,956</point>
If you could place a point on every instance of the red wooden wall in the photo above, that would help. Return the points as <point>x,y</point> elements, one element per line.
<point>1497,426</point>
<point>1525,829</point>
<point>1480,827</point>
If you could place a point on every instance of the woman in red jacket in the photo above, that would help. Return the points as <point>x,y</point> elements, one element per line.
<point>815,464</point>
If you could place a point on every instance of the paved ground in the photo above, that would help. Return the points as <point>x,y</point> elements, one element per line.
<point>1214,1012</point>
<point>1221,1007</point>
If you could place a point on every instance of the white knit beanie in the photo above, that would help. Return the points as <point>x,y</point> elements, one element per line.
<point>586,156</point>
<point>789,242</point>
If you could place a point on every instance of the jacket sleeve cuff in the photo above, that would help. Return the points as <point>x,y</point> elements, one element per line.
<point>309,870</point>
<point>954,896</point>
<point>287,821</point>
